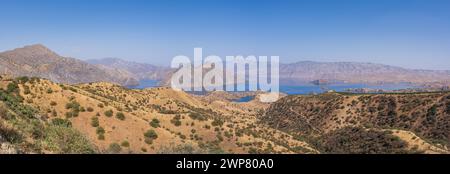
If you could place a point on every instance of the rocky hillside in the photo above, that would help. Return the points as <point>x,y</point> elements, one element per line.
<point>139,71</point>
<point>39,61</point>
<point>343,123</point>
<point>357,73</point>
<point>113,119</point>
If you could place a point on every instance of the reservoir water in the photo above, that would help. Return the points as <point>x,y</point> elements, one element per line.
<point>306,88</point>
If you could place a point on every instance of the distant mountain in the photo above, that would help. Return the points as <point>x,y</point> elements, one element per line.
<point>139,71</point>
<point>352,72</point>
<point>39,61</point>
<point>309,72</point>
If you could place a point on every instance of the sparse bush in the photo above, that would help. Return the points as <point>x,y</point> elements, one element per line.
<point>100,130</point>
<point>26,90</point>
<point>90,109</point>
<point>125,144</point>
<point>120,116</point>
<point>49,91</point>
<point>61,122</point>
<point>217,122</point>
<point>197,116</point>
<point>182,149</point>
<point>67,141</point>
<point>95,122</point>
<point>109,113</point>
<point>150,135</point>
<point>360,141</point>
<point>10,135</point>
<point>176,120</point>
<point>114,148</point>
<point>71,114</point>
<point>23,79</point>
<point>12,88</point>
<point>155,123</point>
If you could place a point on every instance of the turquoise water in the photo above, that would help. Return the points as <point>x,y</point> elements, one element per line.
<point>244,99</point>
<point>145,84</point>
<point>306,88</point>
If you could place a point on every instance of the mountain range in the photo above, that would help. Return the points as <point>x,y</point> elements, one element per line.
<point>140,71</point>
<point>355,72</point>
<point>39,61</point>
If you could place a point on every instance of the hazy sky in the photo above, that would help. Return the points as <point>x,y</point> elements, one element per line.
<point>407,33</point>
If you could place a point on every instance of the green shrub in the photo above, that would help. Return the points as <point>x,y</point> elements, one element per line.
<point>73,105</point>
<point>120,116</point>
<point>66,140</point>
<point>217,122</point>
<point>114,148</point>
<point>71,114</point>
<point>197,116</point>
<point>355,140</point>
<point>100,130</point>
<point>155,123</point>
<point>109,113</point>
<point>26,90</point>
<point>95,122</point>
<point>23,79</point>
<point>10,135</point>
<point>12,88</point>
<point>61,122</point>
<point>150,135</point>
<point>49,91</point>
<point>125,144</point>
<point>176,120</point>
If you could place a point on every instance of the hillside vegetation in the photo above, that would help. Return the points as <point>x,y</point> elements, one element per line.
<point>339,122</point>
<point>40,116</point>
<point>114,119</point>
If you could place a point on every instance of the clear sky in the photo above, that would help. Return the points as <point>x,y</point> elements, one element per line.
<point>407,33</point>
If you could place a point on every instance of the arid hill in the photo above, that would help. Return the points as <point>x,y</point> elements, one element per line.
<point>108,118</point>
<point>39,61</point>
<point>40,116</point>
<point>348,123</point>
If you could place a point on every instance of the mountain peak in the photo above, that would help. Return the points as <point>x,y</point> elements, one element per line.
<point>37,48</point>
<point>31,51</point>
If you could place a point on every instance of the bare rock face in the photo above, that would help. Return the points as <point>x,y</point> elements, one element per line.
<point>39,61</point>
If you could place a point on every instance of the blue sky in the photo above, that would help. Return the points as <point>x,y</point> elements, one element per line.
<point>407,33</point>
